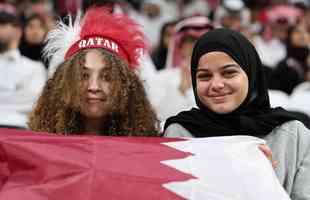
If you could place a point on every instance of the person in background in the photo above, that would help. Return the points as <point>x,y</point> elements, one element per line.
<point>299,98</point>
<point>232,14</point>
<point>159,55</point>
<point>170,90</point>
<point>270,44</point>
<point>151,16</point>
<point>32,42</point>
<point>232,98</point>
<point>95,89</point>
<point>307,19</point>
<point>107,3</point>
<point>292,70</point>
<point>22,79</point>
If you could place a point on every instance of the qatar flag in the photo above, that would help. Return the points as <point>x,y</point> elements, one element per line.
<point>39,166</point>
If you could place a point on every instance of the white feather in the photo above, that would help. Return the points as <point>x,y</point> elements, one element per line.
<point>59,40</point>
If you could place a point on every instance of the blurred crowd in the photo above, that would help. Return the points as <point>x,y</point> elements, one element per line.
<point>279,29</point>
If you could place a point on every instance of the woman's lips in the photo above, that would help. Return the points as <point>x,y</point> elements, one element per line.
<point>218,98</point>
<point>94,100</point>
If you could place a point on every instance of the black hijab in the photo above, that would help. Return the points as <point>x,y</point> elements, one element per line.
<point>254,116</point>
<point>299,53</point>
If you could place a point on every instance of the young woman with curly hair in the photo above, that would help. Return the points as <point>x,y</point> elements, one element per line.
<point>94,92</point>
<point>96,89</point>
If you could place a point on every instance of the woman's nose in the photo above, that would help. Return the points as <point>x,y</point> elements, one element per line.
<point>93,84</point>
<point>217,83</point>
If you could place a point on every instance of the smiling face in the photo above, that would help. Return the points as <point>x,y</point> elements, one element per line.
<point>222,85</point>
<point>95,86</point>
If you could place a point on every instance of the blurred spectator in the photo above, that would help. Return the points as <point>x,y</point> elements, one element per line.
<point>270,49</point>
<point>64,7</point>
<point>186,32</point>
<point>159,55</point>
<point>44,8</point>
<point>152,17</point>
<point>292,70</point>
<point>303,4</point>
<point>88,3</point>
<point>26,8</point>
<point>41,7</point>
<point>21,78</point>
<point>307,76</point>
<point>275,21</point>
<point>248,32</point>
<point>32,43</point>
<point>281,17</point>
<point>232,14</point>
<point>195,7</point>
<point>307,19</point>
<point>171,89</point>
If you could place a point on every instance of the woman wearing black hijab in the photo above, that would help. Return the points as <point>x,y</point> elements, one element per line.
<point>292,70</point>
<point>231,94</point>
<point>32,42</point>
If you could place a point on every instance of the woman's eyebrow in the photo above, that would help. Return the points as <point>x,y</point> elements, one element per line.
<point>230,65</point>
<point>85,68</point>
<point>222,67</point>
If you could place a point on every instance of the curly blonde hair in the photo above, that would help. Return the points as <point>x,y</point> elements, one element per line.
<point>58,108</point>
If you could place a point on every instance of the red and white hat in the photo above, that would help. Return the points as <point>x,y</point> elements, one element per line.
<point>99,28</point>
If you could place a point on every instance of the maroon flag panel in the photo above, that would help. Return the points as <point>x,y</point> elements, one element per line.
<point>36,166</point>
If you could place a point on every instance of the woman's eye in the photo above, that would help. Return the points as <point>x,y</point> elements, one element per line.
<point>204,76</point>
<point>229,73</point>
<point>85,76</point>
<point>105,76</point>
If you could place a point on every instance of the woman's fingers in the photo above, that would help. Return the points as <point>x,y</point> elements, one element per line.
<point>275,163</point>
<point>268,153</point>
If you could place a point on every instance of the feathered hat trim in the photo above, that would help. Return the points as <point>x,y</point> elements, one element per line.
<point>99,28</point>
